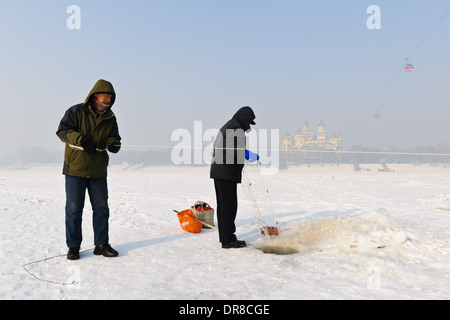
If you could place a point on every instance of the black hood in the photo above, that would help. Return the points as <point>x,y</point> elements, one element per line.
<point>245,116</point>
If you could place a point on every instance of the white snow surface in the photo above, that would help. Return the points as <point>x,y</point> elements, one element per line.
<point>350,235</point>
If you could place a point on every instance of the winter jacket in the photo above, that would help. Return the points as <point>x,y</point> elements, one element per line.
<point>229,147</point>
<point>81,124</point>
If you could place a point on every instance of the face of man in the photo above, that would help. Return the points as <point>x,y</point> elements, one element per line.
<point>102,101</point>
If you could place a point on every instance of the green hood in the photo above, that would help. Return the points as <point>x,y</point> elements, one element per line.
<point>80,125</point>
<point>102,86</point>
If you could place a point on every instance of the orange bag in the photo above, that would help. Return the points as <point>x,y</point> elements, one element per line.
<point>189,222</point>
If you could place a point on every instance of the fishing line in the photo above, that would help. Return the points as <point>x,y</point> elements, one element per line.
<point>283,240</point>
<point>302,150</point>
<point>268,198</point>
<point>46,259</point>
<point>247,187</point>
<point>258,215</point>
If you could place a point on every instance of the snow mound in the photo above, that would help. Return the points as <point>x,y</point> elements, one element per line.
<point>440,201</point>
<point>369,233</point>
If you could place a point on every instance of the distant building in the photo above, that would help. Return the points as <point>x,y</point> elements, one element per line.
<point>305,140</point>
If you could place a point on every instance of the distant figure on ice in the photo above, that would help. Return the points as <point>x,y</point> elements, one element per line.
<point>229,155</point>
<point>89,129</point>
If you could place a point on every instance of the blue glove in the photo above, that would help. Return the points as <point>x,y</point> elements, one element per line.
<point>251,156</point>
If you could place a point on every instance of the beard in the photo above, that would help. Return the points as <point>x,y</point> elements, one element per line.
<point>103,105</point>
<point>100,106</point>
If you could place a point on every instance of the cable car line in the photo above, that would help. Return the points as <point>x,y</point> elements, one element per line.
<point>431,31</point>
<point>406,67</point>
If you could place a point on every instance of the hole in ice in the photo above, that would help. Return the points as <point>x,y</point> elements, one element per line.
<point>278,249</point>
<point>364,233</point>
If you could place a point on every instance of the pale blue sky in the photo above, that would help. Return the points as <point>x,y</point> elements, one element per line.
<point>177,61</point>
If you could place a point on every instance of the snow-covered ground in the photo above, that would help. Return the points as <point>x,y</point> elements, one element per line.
<point>351,235</point>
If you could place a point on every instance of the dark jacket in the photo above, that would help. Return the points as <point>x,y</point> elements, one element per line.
<point>81,124</point>
<point>229,147</point>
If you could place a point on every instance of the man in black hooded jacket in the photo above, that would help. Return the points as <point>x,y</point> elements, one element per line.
<point>226,170</point>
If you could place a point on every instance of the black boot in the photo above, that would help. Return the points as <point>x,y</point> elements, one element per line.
<point>105,250</point>
<point>234,244</point>
<point>74,253</point>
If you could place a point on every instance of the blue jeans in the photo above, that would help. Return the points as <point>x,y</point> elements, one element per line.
<point>75,196</point>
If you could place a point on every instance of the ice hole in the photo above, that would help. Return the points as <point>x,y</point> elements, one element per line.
<point>281,250</point>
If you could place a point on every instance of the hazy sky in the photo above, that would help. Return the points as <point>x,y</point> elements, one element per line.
<point>173,62</point>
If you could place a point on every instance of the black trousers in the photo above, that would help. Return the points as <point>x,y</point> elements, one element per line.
<point>227,204</point>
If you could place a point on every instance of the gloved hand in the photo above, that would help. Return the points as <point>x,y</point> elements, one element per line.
<point>114,148</point>
<point>113,145</point>
<point>251,156</point>
<point>88,146</point>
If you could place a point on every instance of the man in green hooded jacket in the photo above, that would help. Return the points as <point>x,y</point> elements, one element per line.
<point>89,130</point>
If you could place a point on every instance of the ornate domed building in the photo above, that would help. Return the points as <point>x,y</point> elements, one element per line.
<point>304,140</point>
